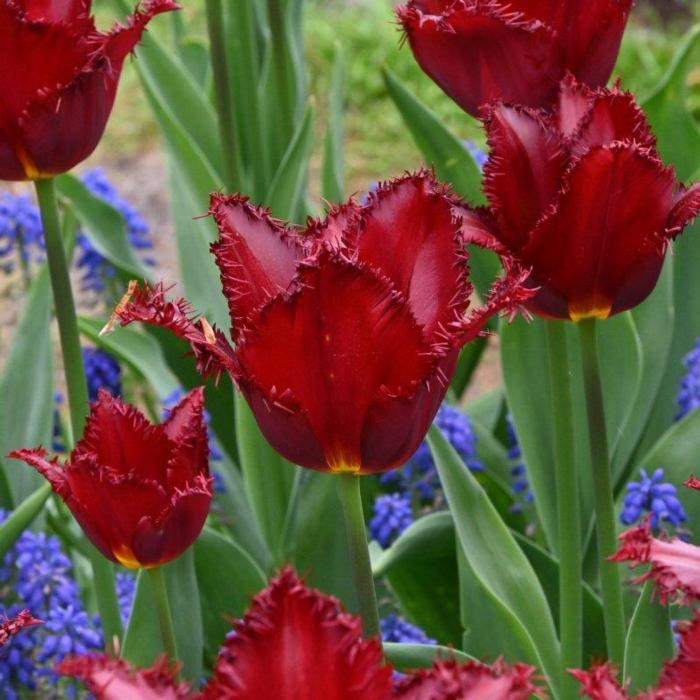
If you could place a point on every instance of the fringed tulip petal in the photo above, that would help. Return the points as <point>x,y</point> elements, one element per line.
<point>12,626</point>
<point>526,152</point>
<point>675,564</point>
<point>257,256</point>
<point>409,233</point>
<point>602,244</point>
<point>470,681</point>
<point>113,679</point>
<point>683,673</point>
<point>481,52</point>
<point>59,82</point>
<point>686,207</point>
<point>600,683</point>
<point>140,492</point>
<point>295,643</point>
<point>333,362</point>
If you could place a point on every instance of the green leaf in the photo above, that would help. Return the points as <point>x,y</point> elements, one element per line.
<point>468,361</point>
<point>103,224</point>
<point>421,568</point>
<point>332,175</point>
<point>287,191</point>
<point>138,350</point>
<point>667,108</point>
<point>227,577</point>
<point>22,517</point>
<point>267,476</point>
<point>650,641</point>
<point>452,161</point>
<point>406,657</point>
<point>26,392</point>
<point>142,639</point>
<point>493,554</point>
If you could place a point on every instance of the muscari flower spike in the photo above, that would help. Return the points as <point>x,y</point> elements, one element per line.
<point>344,348</point>
<point>688,398</point>
<point>21,232</point>
<point>652,495</point>
<point>296,642</point>
<point>481,51</point>
<point>396,629</point>
<point>59,80</point>
<point>141,492</point>
<point>581,197</point>
<point>102,371</point>
<point>392,514</point>
<point>520,484</point>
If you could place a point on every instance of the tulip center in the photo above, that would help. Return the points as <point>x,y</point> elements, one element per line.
<point>594,308</point>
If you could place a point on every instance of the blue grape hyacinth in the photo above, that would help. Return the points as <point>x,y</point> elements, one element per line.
<point>393,513</point>
<point>102,372</point>
<point>688,398</point>
<point>518,471</point>
<point>651,495</point>
<point>395,629</point>
<point>95,270</point>
<point>21,233</point>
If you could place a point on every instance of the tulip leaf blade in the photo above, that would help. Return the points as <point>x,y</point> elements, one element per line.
<point>493,554</point>
<point>22,517</point>
<point>26,392</point>
<point>227,577</point>
<point>142,642</point>
<point>649,643</point>
<point>406,657</point>
<point>332,176</point>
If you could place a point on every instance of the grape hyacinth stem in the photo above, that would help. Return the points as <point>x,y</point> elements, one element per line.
<point>165,618</point>
<point>569,517</point>
<point>602,493</point>
<point>76,383</point>
<point>351,501</point>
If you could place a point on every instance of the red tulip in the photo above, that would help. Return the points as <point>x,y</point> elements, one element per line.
<point>140,492</point>
<point>346,334</point>
<point>680,678</point>
<point>482,51</point>
<point>58,81</point>
<point>581,197</point>
<point>295,643</point>
<point>10,627</point>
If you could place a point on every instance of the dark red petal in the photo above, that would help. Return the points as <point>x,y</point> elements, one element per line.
<point>186,428</point>
<point>683,673</point>
<point>410,234</point>
<point>469,681</point>
<point>338,231</point>
<point>10,627</point>
<point>158,540</point>
<point>612,115</point>
<point>686,206</point>
<point>600,683</point>
<point>51,470</point>
<point>54,11</point>
<point>257,256</point>
<point>482,52</point>
<point>148,304</point>
<point>329,350</point>
<point>297,643</point>
<point>113,679</point>
<point>675,564</point>
<point>601,247</point>
<point>524,171</point>
<point>591,32</point>
<point>692,483</point>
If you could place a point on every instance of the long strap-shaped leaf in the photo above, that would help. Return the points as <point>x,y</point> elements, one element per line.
<point>494,555</point>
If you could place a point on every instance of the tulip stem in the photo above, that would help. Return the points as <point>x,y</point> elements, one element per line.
<point>351,501</point>
<point>76,383</point>
<point>165,618</point>
<point>223,96</point>
<point>569,516</point>
<point>603,494</point>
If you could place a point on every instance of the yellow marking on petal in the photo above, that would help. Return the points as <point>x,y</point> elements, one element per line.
<point>30,169</point>
<point>344,468</point>
<point>596,309</point>
<point>126,558</point>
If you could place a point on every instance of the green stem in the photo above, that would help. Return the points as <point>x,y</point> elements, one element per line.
<point>224,99</point>
<point>568,504</point>
<point>76,383</point>
<point>351,501</point>
<point>603,494</point>
<point>165,618</point>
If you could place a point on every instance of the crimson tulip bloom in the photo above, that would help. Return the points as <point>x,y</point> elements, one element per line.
<point>680,678</point>
<point>517,51</point>
<point>141,492</point>
<point>58,81</point>
<point>346,334</point>
<point>581,197</point>
<point>295,642</point>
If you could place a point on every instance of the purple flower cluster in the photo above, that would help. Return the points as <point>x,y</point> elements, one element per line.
<point>688,398</point>
<point>102,371</point>
<point>21,233</point>
<point>396,629</point>
<point>520,484</point>
<point>393,513</point>
<point>651,495</point>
